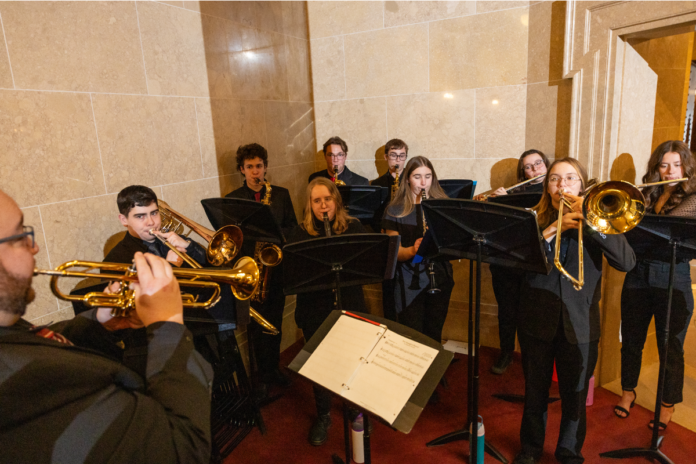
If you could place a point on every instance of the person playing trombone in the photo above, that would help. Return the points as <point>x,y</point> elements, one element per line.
<point>644,293</point>
<point>559,323</point>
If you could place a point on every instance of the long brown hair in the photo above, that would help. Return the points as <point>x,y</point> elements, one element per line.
<point>545,211</point>
<point>340,224</point>
<point>403,204</point>
<point>521,177</point>
<point>653,174</point>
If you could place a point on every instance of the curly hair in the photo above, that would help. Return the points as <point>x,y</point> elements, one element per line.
<point>251,151</point>
<point>683,189</point>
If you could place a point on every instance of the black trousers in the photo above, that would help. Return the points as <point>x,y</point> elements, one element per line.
<point>643,297</point>
<point>266,346</point>
<point>575,365</point>
<point>507,286</point>
<point>427,312</point>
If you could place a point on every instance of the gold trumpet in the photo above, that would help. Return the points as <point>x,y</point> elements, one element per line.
<point>243,279</point>
<point>613,207</point>
<point>484,196</point>
<point>337,181</point>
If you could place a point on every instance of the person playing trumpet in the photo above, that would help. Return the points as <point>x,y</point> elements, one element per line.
<point>644,294</point>
<point>62,384</point>
<point>252,163</point>
<point>559,323</point>
<point>507,281</point>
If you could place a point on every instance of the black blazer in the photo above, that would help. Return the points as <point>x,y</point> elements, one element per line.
<point>385,180</point>
<point>546,299</point>
<point>347,176</point>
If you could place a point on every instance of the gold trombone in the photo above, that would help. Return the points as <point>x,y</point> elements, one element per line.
<point>613,207</point>
<point>243,279</point>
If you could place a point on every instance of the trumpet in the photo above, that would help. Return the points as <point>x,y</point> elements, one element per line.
<point>243,279</point>
<point>612,208</point>
<point>337,181</point>
<point>484,196</point>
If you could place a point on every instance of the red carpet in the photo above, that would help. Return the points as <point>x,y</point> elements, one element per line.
<point>288,421</point>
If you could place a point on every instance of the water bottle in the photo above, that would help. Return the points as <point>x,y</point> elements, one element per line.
<point>356,433</point>
<point>478,441</point>
<point>590,392</point>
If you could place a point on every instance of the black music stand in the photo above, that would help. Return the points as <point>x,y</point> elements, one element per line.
<point>489,233</point>
<point>253,217</point>
<point>462,189</point>
<point>417,402</point>
<point>365,202</point>
<point>518,200</point>
<point>331,263</point>
<point>647,238</point>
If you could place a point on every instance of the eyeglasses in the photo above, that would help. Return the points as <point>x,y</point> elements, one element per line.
<point>537,163</point>
<point>336,155</point>
<point>27,235</point>
<point>400,157</point>
<point>570,180</point>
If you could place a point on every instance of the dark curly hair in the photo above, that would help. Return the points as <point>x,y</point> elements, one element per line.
<point>653,175</point>
<point>134,195</point>
<point>251,151</point>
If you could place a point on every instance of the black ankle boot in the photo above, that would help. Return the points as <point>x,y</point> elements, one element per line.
<point>319,432</point>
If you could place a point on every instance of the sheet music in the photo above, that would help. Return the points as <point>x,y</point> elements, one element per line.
<point>391,374</point>
<point>343,350</point>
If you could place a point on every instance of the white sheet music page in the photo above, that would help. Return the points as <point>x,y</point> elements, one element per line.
<point>390,376</point>
<point>343,350</point>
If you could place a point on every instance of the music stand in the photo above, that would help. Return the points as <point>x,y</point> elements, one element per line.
<point>647,238</point>
<point>518,200</point>
<point>419,399</point>
<point>462,189</point>
<point>483,232</point>
<point>365,202</point>
<point>253,217</point>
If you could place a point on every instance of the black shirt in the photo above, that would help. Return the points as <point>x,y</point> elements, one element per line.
<point>347,176</point>
<point>385,180</point>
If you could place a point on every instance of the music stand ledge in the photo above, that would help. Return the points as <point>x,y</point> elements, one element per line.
<point>482,232</point>
<point>653,234</point>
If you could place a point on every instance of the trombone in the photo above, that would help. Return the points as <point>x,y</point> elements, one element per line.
<point>484,196</point>
<point>243,279</point>
<point>613,207</point>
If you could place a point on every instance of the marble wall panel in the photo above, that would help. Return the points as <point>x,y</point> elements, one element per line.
<point>362,123</point>
<point>5,71</point>
<point>500,121</point>
<point>224,125</point>
<point>488,173</point>
<point>216,56</point>
<point>371,169</point>
<point>177,4</point>
<point>147,140</point>
<point>370,57</point>
<point>408,12</point>
<point>50,150</point>
<point>44,302</point>
<point>328,69</point>
<point>290,127</point>
<point>261,15</point>
<point>479,51</point>
<point>546,39</point>
<point>77,46</point>
<point>435,125</point>
<point>173,49</point>
<point>548,117</point>
<point>295,19</point>
<point>488,6</point>
<point>298,187</point>
<point>335,18</point>
<point>298,69</point>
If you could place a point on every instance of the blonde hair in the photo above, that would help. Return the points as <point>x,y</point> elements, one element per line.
<point>341,218</point>
<point>403,204</point>
<point>545,211</point>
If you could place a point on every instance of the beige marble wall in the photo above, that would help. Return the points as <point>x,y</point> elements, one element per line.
<point>470,85</point>
<point>98,96</point>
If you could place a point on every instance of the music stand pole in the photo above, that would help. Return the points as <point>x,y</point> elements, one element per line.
<point>654,452</point>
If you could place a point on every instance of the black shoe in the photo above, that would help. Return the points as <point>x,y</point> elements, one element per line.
<point>319,432</point>
<point>276,377</point>
<point>502,363</point>
<point>524,458</point>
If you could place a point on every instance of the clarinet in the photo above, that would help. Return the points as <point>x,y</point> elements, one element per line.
<point>327,225</point>
<point>431,266</point>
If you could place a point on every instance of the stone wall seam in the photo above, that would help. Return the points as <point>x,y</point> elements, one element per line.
<point>96,132</point>
<point>142,50</point>
<point>7,49</point>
